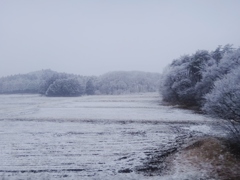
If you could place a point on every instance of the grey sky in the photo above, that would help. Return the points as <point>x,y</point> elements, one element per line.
<point>91,37</point>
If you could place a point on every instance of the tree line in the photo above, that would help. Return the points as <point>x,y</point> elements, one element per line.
<point>51,83</point>
<point>207,80</point>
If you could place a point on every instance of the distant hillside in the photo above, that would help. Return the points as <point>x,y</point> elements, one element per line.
<point>23,83</point>
<point>52,83</point>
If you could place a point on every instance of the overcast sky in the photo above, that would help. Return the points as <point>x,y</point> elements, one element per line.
<point>91,37</point>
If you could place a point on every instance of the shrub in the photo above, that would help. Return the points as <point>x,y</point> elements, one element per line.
<point>65,87</point>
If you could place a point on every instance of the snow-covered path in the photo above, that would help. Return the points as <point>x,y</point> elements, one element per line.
<point>90,137</point>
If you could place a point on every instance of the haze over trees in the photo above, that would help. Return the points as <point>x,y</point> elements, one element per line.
<point>206,80</point>
<point>123,82</point>
<point>51,83</point>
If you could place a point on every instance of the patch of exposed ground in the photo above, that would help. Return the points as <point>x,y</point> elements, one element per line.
<point>207,158</point>
<point>160,161</point>
<point>211,158</point>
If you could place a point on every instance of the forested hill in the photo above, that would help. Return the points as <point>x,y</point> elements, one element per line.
<point>52,83</point>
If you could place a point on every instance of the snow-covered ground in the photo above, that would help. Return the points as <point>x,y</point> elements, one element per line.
<point>89,137</point>
<point>137,107</point>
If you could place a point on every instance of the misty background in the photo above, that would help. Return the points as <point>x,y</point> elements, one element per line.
<point>95,37</point>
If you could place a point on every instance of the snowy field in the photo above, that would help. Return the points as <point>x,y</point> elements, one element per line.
<point>89,137</point>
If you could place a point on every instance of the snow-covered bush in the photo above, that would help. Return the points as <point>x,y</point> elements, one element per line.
<point>217,69</point>
<point>49,77</point>
<point>65,87</point>
<point>224,100</point>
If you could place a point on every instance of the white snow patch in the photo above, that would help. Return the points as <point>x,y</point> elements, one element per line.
<point>38,133</point>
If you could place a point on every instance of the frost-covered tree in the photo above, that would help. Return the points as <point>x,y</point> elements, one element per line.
<point>65,87</point>
<point>110,83</point>
<point>189,78</point>
<point>197,64</point>
<point>49,77</point>
<point>21,83</point>
<point>90,89</point>
<point>175,81</point>
<point>180,78</point>
<point>215,69</point>
<point>208,80</point>
<point>122,82</point>
<point>224,100</point>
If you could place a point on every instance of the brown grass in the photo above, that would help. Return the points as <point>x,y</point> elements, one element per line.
<point>212,156</point>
